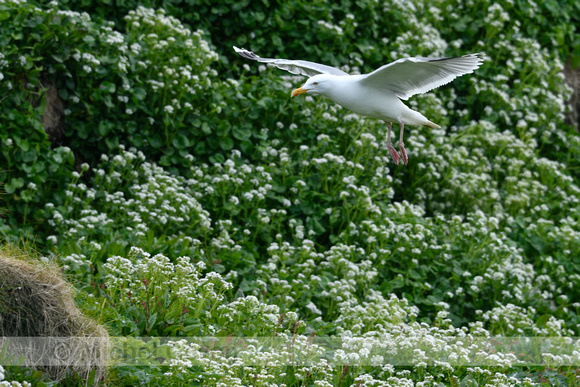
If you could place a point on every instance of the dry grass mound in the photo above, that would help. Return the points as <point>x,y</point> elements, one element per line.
<point>40,321</point>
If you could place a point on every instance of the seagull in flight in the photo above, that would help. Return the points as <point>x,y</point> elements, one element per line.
<point>378,94</point>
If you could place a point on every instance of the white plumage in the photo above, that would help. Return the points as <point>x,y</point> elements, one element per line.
<point>378,94</point>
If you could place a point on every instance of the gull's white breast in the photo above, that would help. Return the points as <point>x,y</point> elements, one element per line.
<point>348,92</point>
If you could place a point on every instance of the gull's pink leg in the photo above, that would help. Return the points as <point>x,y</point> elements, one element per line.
<point>392,151</point>
<point>402,144</point>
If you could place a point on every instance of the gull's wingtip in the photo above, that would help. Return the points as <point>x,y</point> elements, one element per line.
<point>246,53</point>
<point>480,58</point>
<point>477,55</point>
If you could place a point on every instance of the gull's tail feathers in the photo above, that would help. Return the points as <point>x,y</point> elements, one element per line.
<point>413,117</point>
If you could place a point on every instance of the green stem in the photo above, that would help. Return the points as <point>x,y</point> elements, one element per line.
<point>25,214</point>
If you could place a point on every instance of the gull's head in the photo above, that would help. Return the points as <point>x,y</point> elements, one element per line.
<point>318,84</point>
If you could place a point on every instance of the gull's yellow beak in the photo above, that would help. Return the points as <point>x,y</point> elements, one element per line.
<point>298,91</point>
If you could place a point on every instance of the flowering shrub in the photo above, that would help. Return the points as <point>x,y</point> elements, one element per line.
<point>14,383</point>
<point>103,78</point>
<point>202,205</point>
<point>165,298</point>
<point>143,195</point>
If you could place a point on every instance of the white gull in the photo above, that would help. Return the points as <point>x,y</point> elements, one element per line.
<point>378,94</point>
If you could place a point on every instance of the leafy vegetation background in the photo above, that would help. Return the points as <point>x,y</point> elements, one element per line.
<point>192,197</point>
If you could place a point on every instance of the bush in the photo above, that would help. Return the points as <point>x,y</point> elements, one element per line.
<point>292,206</point>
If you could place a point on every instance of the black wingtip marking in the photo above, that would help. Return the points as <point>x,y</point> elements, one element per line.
<point>476,55</point>
<point>440,59</point>
<point>456,57</point>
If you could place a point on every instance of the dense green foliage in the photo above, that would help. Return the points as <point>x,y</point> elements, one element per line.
<point>299,27</point>
<point>194,198</point>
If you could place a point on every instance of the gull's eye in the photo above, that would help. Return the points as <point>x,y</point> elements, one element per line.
<point>315,83</point>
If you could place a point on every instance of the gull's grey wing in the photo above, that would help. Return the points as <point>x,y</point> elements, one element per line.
<point>301,67</point>
<point>409,76</point>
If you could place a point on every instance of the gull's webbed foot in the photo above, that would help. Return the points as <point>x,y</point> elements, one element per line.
<point>392,150</point>
<point>402,144</point>
<point>403,152</point>
<point>394,154</point>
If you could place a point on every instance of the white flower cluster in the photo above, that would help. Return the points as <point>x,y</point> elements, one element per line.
<point>5,383</point>
<point>141,277</point>
<point>251,365</point>
<point>156,200</point>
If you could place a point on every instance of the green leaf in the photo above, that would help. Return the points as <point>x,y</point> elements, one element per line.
<point>226,143</point>
<point>156,141</point>
<point>151,321</point>
<point>4,16</point>
<point>247,147</point>
<point>108,101</point>
<point>217,158</point>
<point>542,320</point>
<point>247,286</point>
<point>180,141</point>
<point>57,157</point>
<point>139,93</point>
<point>112,142</point>
<point>89,39</point>
<point>206,128</point>
<point>431,300</point>
<point>22,144</point>
<point>14,184</point>
<point>109,87</point>
<point>194,324</point>
<point>57,58</point>
<point>242,133</point>
<point>552,6</point>
<point>316,225</point>
<point>276,41</point>
<point>63,93</point>
<point>165,160</point>
<point>70,83</point>
<point>29,156</point>
<point>104,127</point>
<point>315,181</point>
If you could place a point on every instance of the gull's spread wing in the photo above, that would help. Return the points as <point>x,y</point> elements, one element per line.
<point>301,67</point>
<point>409,76</point>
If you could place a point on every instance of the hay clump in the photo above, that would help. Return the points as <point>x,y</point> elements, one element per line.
<point>40,321</point>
